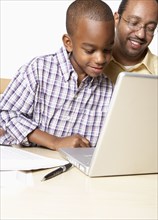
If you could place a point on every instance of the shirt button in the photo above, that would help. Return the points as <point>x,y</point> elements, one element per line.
<point>75,96</point>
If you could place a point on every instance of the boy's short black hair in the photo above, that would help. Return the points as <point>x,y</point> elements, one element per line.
<point>91,9</point>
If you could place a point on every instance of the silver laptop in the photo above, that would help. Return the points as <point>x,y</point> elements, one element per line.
<point>128,142</point>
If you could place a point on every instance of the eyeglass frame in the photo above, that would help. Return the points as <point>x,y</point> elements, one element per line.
<point>138,26</point>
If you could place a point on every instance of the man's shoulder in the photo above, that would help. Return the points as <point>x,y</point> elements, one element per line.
<point>151,62</point>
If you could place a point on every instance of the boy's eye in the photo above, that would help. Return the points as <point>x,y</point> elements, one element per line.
<point>89,51</point>
<point>104,51</point>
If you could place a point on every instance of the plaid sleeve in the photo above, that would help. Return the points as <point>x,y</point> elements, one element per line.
<point>16,106</point>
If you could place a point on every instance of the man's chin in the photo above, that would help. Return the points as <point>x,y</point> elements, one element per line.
<point>133,53</point>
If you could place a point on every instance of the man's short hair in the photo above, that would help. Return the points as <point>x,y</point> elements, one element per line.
<point>123,5</point>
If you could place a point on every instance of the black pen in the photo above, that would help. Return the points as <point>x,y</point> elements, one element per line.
<point>57,172</point>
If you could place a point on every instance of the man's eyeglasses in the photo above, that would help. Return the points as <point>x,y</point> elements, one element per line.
<point>135,26</point>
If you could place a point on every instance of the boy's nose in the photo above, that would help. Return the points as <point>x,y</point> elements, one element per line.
<point>100,58</point>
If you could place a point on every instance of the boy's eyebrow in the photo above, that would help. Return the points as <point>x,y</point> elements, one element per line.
<point>88,44</point>
<point>92,45</point>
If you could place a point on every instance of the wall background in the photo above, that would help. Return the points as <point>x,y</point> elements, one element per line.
<point>32,28</point>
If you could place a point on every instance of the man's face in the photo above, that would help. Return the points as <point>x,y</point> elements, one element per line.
<point>92,45</point>
<point>134,29</point>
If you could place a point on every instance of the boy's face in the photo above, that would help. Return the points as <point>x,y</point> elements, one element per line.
<point>131,42</point>
<point>91,48</point>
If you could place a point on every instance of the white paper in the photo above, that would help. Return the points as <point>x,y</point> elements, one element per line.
<point>17,159</point>
<point>15,179</point>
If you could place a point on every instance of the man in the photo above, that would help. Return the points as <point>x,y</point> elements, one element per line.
<point>135,23</point>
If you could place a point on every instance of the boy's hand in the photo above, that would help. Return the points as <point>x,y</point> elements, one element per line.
<point>70,141</point>
<point>53,142</point>
<point>2,132</point>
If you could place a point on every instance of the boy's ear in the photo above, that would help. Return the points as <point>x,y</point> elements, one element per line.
<point>67,42</point>
<point>116,18</point>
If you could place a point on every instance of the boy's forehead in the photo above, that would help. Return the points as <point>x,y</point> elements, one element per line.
<point>95,30</point>
<point>89,23</point>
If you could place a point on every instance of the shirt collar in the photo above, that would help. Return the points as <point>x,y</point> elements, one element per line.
<point>146,62</point>
<point>64,62</point>
<point>67,68</point>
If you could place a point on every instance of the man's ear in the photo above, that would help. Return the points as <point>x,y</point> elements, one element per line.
<point>67,42</point>
<point>116,18</point>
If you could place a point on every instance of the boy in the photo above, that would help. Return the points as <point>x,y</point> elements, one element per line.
<point>61,100</point>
